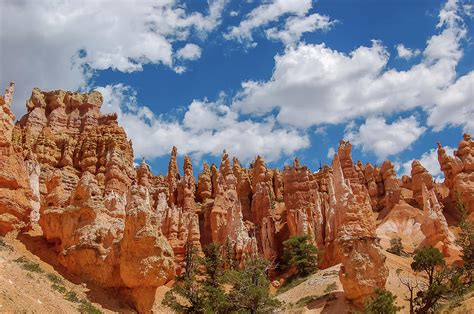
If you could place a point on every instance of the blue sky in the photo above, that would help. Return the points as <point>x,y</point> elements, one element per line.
<point>276,78</point>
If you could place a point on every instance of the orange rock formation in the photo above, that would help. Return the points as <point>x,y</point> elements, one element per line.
<point>70,168</point>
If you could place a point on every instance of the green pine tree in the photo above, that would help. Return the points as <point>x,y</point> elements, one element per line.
<point>382,302</point>
<point>186,296</point>
<point>215,298</point>
<point>300,253</point>
<point>250,288</point>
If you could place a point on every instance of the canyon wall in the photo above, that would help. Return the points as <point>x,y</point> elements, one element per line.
<point>69,168</point>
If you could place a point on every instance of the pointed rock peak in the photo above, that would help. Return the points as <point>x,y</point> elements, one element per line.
<point>296,163</point>
<point>236,167</point>
<point>417,167</point>
<point>188,166</point>
<point>236,162</point>
<point>345,150</point>
<point>7,117</point>
<point>173,164</point>
<point>387,164</point>
<point>7,98</point>
<point>337,169</point>
<point>205,168</point>
<point>143,173</point>
<point>467,137</point>
<point>260,163</point>
<point>225,167</point>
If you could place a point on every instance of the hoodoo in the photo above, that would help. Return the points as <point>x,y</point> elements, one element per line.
<point>69,168</point>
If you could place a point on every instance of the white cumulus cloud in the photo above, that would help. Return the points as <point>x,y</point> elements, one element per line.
<point>297,22</point>
<point>296,26</point>
<point>57,44</point>
<point>313,84</point>
<point>207,128</point>
<point>189,52</point>
<point>406,53</point>
<point>385,139</point>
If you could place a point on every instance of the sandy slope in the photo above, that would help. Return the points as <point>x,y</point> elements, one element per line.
<point>23,290</point>
<point>335,302</point>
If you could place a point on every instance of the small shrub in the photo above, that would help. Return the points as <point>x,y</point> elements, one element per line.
<point>54,278</point>
<point>396,246</point>
<point>88,308</point>
<point>29,265</point>
<point>330,288</point>
<point>4,245</point>
<point>306,300</point>
<point>20,260</point>
<point>382,302</point>
<point>59,288</point>
<point>71,296</point>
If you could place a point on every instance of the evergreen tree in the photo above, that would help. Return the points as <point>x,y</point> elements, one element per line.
<point>250,288</point>
<point>214,297</point>
<point>300,253</point>
<point>430,261</point>
<point>187,286</point>
<point>396,246</point>
<point>382,302</point>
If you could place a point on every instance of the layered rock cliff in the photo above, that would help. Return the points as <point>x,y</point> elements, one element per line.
<point>70,168</point>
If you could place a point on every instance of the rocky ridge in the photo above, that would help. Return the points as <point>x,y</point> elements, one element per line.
<point>125,228</point>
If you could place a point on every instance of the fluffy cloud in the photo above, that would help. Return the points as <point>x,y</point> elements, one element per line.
<point>455,106</point>
<point>314,84</point>
<point>383,139</point>
<point>297,25</point>
<point>429,160</point>
<point>297,22</point>
<point>207,128</point>
<point>189,52</point>
<point>406,53</point>
<point>331,152</point>
<point>57,44</point>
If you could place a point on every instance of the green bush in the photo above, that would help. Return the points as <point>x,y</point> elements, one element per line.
<point>396,246</point>
<point>300,253</point>
<point>88,308</point>
<point>29,265</point>
<point>54,278</point>
<point>71,296</point>
<point>306,300</point>
<point>382,302</point>
<point>59,288</point>
<point>330,288</point>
